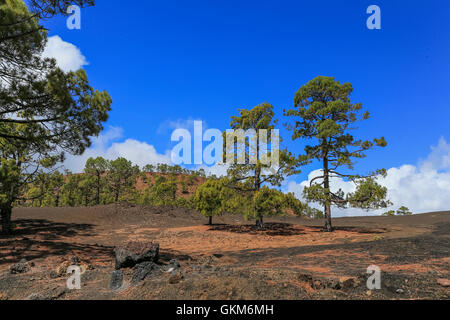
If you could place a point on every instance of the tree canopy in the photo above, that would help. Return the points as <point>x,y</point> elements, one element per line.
<point>44,111</point>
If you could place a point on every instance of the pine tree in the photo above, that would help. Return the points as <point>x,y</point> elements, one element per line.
<point>250,176</point>
<point>121,176</point>
<point>324,115</point>
<point>209,199</point>
<point>404,211</point>
<point>44,112</point>
<point>96,168</point>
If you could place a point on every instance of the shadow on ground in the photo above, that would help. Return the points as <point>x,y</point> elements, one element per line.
<point>270,228</point>
<point>354,257</point>
<point>34,239</point>
<point>287,229</point>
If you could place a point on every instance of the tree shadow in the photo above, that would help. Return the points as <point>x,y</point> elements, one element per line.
<point>167,255</point>
<point>34,239</point>
<point>270,229</point>
<point>287,229</point>
<point>361,230</point>
<point>49,230</point>
<point>355,257</point>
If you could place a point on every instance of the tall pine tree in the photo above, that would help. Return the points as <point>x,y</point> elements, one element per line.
<point>324,115</point>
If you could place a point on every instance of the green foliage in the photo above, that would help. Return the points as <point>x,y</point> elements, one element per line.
<point>57,111</point>
<point>165,192</point>
<point>268,202</point>
<point>249,177</point>
<point>210,198</point>
<point>162,192</point>
<point>295,205</point>
<point>122,176</point>
<point>389,213</point>
<point>148,168</point>
<point>96,168</point>
<point>314,213</point>
<point>404,211</point>
<point>44,111</point>
<point>324,114</point>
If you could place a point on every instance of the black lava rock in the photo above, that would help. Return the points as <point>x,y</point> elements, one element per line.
<point>134,253</point>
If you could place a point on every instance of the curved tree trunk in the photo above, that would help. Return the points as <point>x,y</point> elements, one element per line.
<point>327,206</point>
<point>328,227</point>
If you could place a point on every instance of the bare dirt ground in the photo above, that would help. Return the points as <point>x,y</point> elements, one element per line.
<point>291,259</point>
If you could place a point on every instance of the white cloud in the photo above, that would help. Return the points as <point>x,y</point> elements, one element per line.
<point>68,56</point>
<point>422,188</point>
<point>107,146</point>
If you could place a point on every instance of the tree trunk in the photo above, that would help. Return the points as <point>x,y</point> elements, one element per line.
<point>260,222</point>
<point>210,220</point>
<point>6,211</point>
<point>327,206</point>
<point>328,227</point>
<point>98,190</point>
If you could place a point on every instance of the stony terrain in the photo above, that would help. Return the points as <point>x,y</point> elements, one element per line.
<point>290,259</point>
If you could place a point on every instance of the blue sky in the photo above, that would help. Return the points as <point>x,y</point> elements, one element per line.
<point>169,61</point>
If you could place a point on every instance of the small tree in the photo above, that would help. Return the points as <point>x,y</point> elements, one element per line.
<point>86,185</point>
<point>122,176</point>
<point>314,213</point>
<point>148,168</point>
<point>324,114</point>
<point>294,205</point>
<point>97,168</point>
<point>162,192</point>
<point>403,211</point>
<point>56,184</point>
<point>71,193</point>
<point>209,199</point>
<point>389,213</point>
<point>249,177</point>
<point>268,202</point>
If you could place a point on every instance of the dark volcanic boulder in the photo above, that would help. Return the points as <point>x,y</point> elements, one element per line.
<point>134,253</point>
<point>144,270</point>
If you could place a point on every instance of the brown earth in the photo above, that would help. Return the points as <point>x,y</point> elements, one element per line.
<point>290,259</point>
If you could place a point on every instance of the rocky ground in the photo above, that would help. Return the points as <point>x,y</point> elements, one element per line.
<point>169,253</point>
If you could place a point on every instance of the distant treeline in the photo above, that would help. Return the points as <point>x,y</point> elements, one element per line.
<point>110,181</point>
<point>104,182</point>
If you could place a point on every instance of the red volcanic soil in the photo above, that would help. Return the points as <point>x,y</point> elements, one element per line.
<point>291,258</point>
